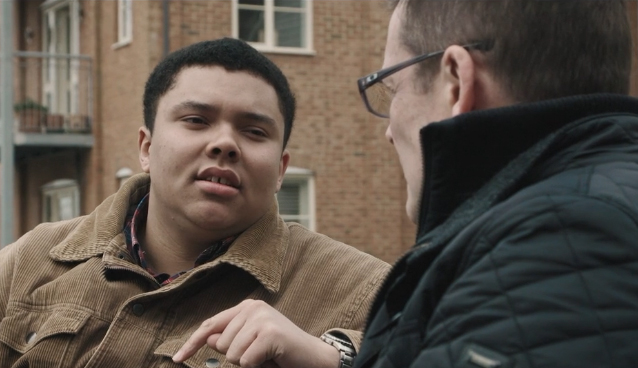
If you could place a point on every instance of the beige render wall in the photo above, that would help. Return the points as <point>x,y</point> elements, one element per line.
<point>360,190</point>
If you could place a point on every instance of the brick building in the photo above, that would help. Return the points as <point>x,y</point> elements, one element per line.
<point>80,69</point>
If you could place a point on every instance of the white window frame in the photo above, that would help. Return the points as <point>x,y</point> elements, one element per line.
<point>49,74</point>
<point>59,190</point>
<point>124,24</point>
<point>269,28</point>
<point>304,178</point>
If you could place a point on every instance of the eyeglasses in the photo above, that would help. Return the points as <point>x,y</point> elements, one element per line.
<point>378,97</point>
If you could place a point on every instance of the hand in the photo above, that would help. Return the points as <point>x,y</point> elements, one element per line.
<point>254,334</point>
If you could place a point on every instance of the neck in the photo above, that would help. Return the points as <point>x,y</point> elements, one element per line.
<point>171,248</point>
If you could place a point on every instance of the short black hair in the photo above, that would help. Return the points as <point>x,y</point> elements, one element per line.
<point>229,53</point>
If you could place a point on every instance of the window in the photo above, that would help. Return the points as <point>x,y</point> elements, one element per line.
<point>61,200</point>
<point>296,197</point>
<point>124,22</point>
<point>274,25</point>
<point>61,37</point>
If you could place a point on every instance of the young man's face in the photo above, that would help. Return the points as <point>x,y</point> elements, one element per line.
<point>411,110</point>
<point>215,156</point>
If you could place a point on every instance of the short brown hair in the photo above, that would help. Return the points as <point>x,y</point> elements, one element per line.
<point>542,49</point>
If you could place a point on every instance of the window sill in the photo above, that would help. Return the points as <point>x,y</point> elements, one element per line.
<point>120,44</point>
<point>283,50</point>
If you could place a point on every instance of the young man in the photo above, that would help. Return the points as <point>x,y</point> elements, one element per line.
<point>196,237</point>
<point>520,152</point>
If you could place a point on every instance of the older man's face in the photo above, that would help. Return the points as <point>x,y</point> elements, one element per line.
<point>411,109</point>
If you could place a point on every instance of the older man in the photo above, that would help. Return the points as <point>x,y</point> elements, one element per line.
<point>519,146</point>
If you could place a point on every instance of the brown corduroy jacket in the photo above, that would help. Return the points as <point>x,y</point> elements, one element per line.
<point>71,297</point>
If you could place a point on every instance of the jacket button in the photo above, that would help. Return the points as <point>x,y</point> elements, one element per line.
<point>212,363</point>
<point>31,336</point>
<point>121,255</point>
<point>138,309</point>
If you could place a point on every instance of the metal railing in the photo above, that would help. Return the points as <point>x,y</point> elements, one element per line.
<point>53,93</point>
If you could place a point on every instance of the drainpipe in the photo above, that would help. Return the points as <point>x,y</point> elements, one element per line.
<point>97,123</point>
<point>166,13</point>
<point>6,106</point>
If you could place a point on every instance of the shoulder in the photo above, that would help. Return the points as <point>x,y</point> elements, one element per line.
<point>40,240</point>
<point>544,278</point>
<point>581,214</point>
<point>338,264</point>
<point>307,243</point>
<point>599,194</point>
<point>46,236</point>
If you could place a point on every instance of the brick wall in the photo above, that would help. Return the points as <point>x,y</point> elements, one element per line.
<point>360,191</point>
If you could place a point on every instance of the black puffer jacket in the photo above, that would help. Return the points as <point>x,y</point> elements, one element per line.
<point>527,250</point>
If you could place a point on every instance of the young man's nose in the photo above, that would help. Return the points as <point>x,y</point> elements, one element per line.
<point>217,151</point>
<point>223,145</point>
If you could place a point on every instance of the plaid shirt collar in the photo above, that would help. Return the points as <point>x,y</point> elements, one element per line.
<point>136,219</point>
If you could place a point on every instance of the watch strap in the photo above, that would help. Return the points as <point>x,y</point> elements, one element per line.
<point>345,348</point>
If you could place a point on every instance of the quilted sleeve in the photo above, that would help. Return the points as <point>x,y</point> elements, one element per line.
<point>555,287</point>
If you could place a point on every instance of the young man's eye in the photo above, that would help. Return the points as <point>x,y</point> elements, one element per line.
<point>194,120</point>
<point>257,132</point>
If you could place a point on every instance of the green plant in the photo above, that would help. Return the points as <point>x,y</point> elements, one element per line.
<point>29,104</point>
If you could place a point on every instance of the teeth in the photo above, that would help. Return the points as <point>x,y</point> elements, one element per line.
<point>216,179</point>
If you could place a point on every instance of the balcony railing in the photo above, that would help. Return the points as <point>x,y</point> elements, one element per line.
<point>53,93</point>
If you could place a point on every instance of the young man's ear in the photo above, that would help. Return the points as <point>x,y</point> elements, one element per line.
<point>283,165</point>
<point>459,75</point>
<point>144,145</point>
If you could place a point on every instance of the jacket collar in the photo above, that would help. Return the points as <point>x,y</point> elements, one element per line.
<point>259,250</point>
<point>101,231</point>
<point>463,153</point>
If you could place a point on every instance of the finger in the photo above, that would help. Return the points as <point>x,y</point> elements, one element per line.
<point>213,325</point>
<point>242,341</point>
<point>260,353</point>
<point>212,339</point>
<point>229,333</point>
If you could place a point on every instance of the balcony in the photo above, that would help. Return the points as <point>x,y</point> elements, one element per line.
<point>53,102</point>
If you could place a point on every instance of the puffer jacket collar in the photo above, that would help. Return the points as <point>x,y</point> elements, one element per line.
<point>463,153</point>
<point>259,250</point>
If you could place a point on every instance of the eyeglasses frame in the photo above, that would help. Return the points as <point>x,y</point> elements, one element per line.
<point>376,77</point>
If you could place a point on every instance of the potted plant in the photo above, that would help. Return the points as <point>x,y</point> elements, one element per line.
<point>30,115</point>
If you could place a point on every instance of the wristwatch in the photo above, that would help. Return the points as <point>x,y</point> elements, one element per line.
<point>345,348</point>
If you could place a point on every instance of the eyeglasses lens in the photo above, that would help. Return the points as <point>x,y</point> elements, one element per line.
<point>379,97</point>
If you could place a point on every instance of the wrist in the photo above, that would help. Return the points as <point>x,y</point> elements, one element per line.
<point>331,358</point>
